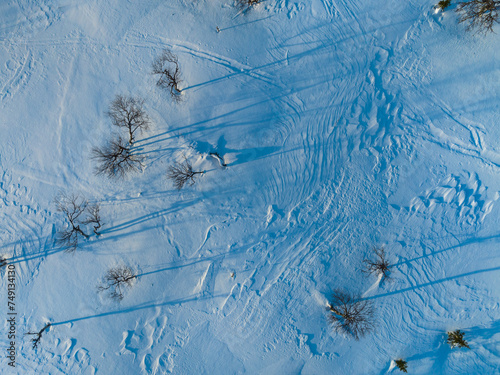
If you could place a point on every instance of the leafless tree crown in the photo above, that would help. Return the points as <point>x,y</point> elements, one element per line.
<point>38,335</point>
<point>380,266</point>
<point>94,217</point>
<point>351,315</point>
<point>116,280</point>
<point>166,67</point>
<point>480,15</point>
<point>182,173</point>
<point>79,213</point>
<point>127,112</point>
<point>115,159</point>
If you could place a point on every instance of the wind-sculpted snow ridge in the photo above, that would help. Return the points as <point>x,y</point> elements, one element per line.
<point>324,129</point>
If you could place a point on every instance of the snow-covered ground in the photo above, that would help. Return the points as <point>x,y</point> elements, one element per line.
<point>345,124</point>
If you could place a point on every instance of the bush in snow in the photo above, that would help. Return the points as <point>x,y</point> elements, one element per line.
<point>401,365</point>
<point>248,3</point>
<point>116,280</point>
<point>166,67</point>
<point>116,159</point>
<point>79,214</point>
<point>245,4</point>
<point>351,315</point>
<point>380,266</point>
<point>480,15</point>
<point>456,339</point>
<point>443,4</point>
<point>38,335</point>
<point>182,173</point>
<point>128,113</point>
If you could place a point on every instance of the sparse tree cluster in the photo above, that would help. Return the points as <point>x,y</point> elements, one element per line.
<point>116,280</point>
<point>79,214</point>
<point>351,315</point>
<point>354,316</point>
<point>117,157</point>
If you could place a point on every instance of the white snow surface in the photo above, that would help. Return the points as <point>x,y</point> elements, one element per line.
<point>345,124</point>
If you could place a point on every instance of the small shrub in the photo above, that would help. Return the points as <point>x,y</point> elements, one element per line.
<point>351,315</point>
<point>38,335</point>
<point>456,339</point>
<point>402,365</point>
<point>380,266</point>
<point>443,4</point>
<point>246,4</point>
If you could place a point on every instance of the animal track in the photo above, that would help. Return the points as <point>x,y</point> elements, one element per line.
<point>153,344</point>
<point>376,115</point>
<point>72,359</point>
<point>466,195</point>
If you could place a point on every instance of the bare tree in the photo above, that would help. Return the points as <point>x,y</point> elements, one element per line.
<point>116,280</point>
<point>351,315</point>
<point>36,340</point>
<point>73,207</point>
<point>115,159</point>
<point>127,112</point>
<point>94,217</point>
<point>480,15</point>
<point>182,173</point>
<point>456,339</point>
<point>380,266</point>
<point>79,213</point>
<point>166,67</point>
